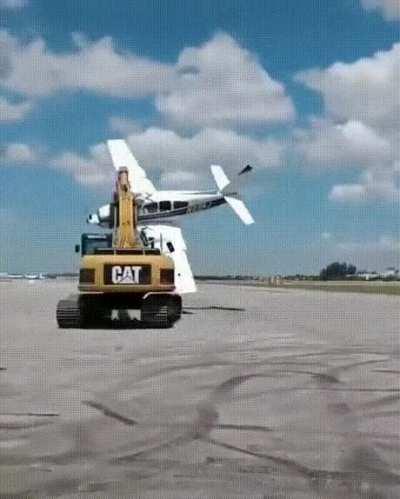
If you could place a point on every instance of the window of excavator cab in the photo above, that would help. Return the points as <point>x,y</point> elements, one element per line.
<point>165,205</point>
<point>91,243</point>
<point>150,208</point>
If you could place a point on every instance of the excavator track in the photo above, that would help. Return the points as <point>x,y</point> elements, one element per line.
<point>69,313</point>
<point>161,311</point>
<point>156,317</point>
<point>156,311</point>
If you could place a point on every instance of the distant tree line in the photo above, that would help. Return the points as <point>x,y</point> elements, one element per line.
<point>337,270</point>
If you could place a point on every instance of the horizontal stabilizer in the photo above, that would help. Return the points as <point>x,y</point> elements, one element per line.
<point>240,209</point>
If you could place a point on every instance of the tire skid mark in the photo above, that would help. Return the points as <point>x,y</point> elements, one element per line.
<point>320,377</point>
<point>243,427</point>
<point>316,475</point>
<point>31,414</point>
<point>110,412</point>
<point>344,389</point>
<point>170,369</point>
<point>341,352</point>
<point>297,358</point>
<point>131,457</point>
<point>207,416</point>
<point>384,414</point>
<point>290,465</point>
<point>379,469</point>
<point>296,363</point>
<point>189,367</point>
<point>23,421</point>
<point>392,446</point>
<point>53,488</point>
<point>372,404</point>
<point>359,455</point>
<point>207,419</point>
<point>386,371</point>
<point>227,386</point>
<point>217,307</point>
<point>340,369</point>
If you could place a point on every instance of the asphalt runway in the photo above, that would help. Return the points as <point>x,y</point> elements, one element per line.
<point>255,393</point>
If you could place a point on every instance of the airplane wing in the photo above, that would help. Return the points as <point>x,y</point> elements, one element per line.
<point>121,155</point>
<point>170,241</point>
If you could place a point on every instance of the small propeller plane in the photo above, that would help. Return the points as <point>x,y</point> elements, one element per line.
<point>158,210</point>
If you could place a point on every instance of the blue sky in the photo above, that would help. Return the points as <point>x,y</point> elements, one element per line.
<point>307,92</point>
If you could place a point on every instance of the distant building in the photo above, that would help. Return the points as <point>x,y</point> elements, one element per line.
<point>389,273</point>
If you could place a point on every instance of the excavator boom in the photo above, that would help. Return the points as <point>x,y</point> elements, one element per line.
<point>126,236</point>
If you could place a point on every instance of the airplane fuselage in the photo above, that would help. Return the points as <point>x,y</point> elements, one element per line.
<point>164,205</point>
<point>171,204</point>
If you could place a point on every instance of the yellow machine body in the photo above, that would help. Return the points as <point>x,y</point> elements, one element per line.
<point>126,273</point>
<point>123,276</point>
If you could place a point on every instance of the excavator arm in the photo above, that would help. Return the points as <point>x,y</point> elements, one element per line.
<point>126,235</point>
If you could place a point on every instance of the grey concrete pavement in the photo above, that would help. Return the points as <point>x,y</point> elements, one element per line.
<point>255,393</point>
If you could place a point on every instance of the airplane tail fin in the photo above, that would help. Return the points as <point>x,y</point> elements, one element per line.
<point>230,191</point>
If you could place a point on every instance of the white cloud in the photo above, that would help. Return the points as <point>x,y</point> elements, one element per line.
<point>377,184</point>
<point>222,84</point>
<point>174,159</point>
<point>382,243</point>
<point>389,8</point>
<point>217,84</point>
<point>13,112</point>
<point>361,126</point>
<point>326,236</point>
<point>18,154</point>
<point>13,4</point>
<point>179,179</point>
<point>174,154</point>
<point>123,126</point>
<point>348,192</point>
<point>33,69</point>
<point>366,90</point>
<point>95,169</point>
<point>349,144</point>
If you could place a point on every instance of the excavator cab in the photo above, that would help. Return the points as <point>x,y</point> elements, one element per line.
<point>92,243</point>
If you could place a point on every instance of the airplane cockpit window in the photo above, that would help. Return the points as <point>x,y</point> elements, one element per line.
<point>165,205</point>
<point>180,204</point>
<point>150,208</point>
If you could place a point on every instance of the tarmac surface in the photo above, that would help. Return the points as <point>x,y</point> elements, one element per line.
<point>255,393</point>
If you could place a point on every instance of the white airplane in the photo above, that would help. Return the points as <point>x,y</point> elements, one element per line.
<point>34,277</point>
<point>163,207</point>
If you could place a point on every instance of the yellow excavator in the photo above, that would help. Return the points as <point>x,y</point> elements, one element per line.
<point>119,273</point>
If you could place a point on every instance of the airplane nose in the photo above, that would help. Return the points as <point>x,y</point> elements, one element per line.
<point>92,219</point>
